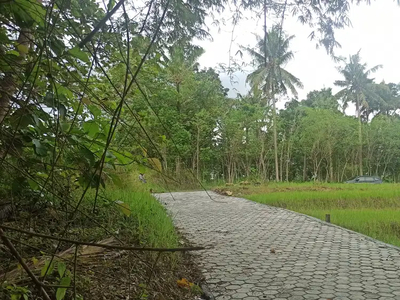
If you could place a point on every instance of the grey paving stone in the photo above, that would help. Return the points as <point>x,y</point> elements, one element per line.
<point>310,260</point>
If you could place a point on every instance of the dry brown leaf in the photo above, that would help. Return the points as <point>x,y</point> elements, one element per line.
<point>184,283</point>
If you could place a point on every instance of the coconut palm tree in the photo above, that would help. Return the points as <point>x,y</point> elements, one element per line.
<point>356,88</point>
<point>269,58</point>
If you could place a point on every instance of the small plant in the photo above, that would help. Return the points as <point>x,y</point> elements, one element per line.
<point>18,292</point>
<point>196,290</point>
<point>65,280</point>
<point>145,294</point>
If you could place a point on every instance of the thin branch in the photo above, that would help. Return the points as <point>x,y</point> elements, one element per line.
<point>100,24</point>
<point>75,258</point>
<point>123,247</point>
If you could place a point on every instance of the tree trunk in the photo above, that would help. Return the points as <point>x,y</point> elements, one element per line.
<point>304,168</point>
<point>331,175</point>
<point>275,141</point>
<point>281,161</point>
<point>287,161</point>
<point>360,160</point>
<point>262,161</point>
<point>198,153</point>
<point>247,163</point>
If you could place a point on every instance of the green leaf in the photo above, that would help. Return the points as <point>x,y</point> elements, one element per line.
<point>92,128</point>
<point>88,155</point>
<point>63,91</point>
<point>64,126</point>
<point>122,158</point>
<point>30,11</point>
<point>78,53</point>
<point>22,118</point>
<point>62,110</point>
<point>34,186</point>
<point>13,52</point>
<point>110,5</point>
<point>40,149</point>
<point>23,49</point>
<point>35,261</point>
<point>61,267</point>
<point>66,281</point>
<point>101,136</point>
<point>84,180</point>
<point>95,111</point>
<point>49,99</point>
<point>4,38</point>
<point>47,268</point>
<point>15,296</point>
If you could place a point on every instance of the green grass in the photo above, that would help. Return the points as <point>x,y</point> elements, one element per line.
<point>373,210</point>
<point>154,226</point>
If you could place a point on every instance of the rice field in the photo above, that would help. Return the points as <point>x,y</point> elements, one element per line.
<point>373,210</point>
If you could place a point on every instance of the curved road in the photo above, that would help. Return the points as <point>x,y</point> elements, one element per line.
<point>262,252</point>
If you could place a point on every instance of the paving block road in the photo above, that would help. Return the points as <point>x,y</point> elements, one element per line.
<point>263,252</point>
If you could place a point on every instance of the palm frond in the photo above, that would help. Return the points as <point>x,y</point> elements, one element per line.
<point>374,69</point>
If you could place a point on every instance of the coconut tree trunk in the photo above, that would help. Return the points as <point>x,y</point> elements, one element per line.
<point>360,160</point>
<point>275,140</point>
<point>288,160</point>
<point>247,159</point>
<point>262,160</point>
<point>281,161</point>
<point>198,152</point>
<point>331,174</point>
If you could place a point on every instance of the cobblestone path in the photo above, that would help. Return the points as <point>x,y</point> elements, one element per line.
<point>262,252</point>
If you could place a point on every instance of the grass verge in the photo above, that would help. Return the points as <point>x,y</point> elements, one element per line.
<point>154,226</point>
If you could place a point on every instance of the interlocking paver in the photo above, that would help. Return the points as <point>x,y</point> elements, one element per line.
<point>263,252</point>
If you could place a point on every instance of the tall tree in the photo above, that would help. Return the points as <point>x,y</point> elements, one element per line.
<point>270,55</point>
<point>323,99</point>
<point>357,86</point>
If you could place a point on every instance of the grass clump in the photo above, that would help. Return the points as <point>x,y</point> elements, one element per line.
<point>153,225</point>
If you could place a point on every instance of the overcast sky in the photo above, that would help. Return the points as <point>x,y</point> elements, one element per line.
<point>375,30</point>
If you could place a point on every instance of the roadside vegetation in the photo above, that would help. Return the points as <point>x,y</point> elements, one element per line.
<point>126,214</point>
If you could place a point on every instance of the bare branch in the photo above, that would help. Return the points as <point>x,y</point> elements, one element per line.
<point>128,248</point>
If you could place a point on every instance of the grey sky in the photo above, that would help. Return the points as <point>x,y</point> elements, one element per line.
<point>374,31</point>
